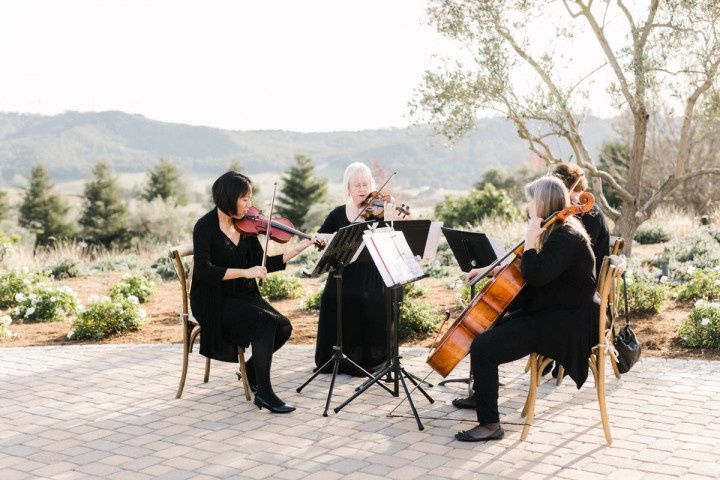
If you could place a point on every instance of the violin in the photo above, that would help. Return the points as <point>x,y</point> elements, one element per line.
<point>374,206</point>
<point>492,301</point>
<point>281,229</point>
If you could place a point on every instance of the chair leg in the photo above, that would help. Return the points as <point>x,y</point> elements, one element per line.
<point>561,375</point>
<point>186,353</point>
<point>243,372</point>
<point>600,387</point>
<point>529,410</point>
<point>207,370</point>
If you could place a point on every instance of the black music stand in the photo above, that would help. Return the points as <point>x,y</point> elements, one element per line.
<point>471,250</point>
<point>342,250</point>
<point>384,260</point>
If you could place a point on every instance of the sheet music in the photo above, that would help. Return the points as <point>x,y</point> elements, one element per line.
<point>433,240</point>
<point>392,256</point>
<point>497,246</point>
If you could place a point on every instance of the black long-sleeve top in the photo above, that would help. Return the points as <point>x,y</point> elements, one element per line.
<point>597,229</point>
<point>213,254</point>
<point>560,294</point>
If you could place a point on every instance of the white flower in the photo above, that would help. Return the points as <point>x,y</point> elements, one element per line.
<point>691,269</point>
<point>29,311</point>
<point>94,298</point>
<point>663,279</point>
<point>141,313</point>
<point>26,281</point>
<point>70,334</point>
<point>143,287</point>
<point>133,299</point>
<point>19,297</point>
<point>705,322</point>
<point>53,299</point>
<point>699,303</point>
<point>717,282</point>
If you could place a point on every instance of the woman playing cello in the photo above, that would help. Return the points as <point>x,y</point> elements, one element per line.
<point>555,313</point>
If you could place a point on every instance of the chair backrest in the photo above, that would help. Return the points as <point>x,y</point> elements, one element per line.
<point>176,254</point>
<point>616,245</point>
<point>608,289</point>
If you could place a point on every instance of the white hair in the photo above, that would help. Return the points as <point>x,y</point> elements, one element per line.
<point>353,171</point>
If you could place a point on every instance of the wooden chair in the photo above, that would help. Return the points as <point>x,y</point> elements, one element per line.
<point>190,326</point>
<point>612,269</point>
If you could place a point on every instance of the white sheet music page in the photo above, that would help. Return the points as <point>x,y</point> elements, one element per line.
<point>392,256</point>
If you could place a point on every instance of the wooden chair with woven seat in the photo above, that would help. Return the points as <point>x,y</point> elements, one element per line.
<point>612,269</point>
<point>190,326</point>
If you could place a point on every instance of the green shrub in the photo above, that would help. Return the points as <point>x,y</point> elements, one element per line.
<point>312,301</point>
<point>308,258</point>
<point>136,285</point>
<point>477,205</point>
<point>643,296</point>
<point>5,322</point>
<point>279,286</point>
<point>417,319</point>
<point>414,290</point>
<point>105,317</point>
<point>46,303</point>
<point>702,328</point>
<point>116,263</point>
<point>465,293</point>
<point>651,234</point>
<point>703,284</point>
<point>17,281</point>
<point>164,267</point>
<point>66,268</point>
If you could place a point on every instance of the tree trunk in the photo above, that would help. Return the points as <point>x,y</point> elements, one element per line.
<point>627,225</point>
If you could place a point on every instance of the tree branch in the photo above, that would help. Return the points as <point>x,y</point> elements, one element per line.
<point>671,183</point>
<point>646,29</point>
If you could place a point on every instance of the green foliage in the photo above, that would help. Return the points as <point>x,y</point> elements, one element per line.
<point>699,250</point>
<point>414,290</point>
<point>643,296</point>
<point>43,211</point>
<point>300,190</point>
<point>279,286</point>
<point>417,319</point>
<point>702,328</point>
<point>4,205</point>
<point>312,301</point>
<point>615,159</point>
<point>703,284</point>
<point>651,234</point>
<point>66,268</point>
<point>164,267</point>
<point>137,286</point>
<point>511,181</point>
<point>5,322</point>
<point>477,205</point>
<point>104,215</point>
<point>105,317</point>
<point>17,282</point>
<point>465,293</point>
<point>164,181</point>
<point>6,243</point>
<point>46,303</point>
<point>116,263</point>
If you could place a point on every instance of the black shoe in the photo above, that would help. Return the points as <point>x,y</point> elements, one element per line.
<point>468,403</point>
<point>253,386</point>
<point>282,407</point>
<point>468,436</point>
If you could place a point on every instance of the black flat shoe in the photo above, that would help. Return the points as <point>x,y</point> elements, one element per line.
<point>274,408</point>
<point>466,436</point>
<point>468,403</point>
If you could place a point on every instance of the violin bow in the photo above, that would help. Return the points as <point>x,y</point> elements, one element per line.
<point>378,191</point>
<point>267,234</point>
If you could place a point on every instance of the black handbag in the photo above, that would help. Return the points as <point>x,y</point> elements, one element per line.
<point>626,343</point>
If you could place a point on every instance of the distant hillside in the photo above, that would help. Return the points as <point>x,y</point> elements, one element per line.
<point>68,144</point>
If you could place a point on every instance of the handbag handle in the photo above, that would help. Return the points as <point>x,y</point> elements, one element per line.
<point>627,314</point>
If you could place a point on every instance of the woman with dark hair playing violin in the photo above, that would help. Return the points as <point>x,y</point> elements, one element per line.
<point>557,308</point>
<point>224,294</point>
<point>364,311</point>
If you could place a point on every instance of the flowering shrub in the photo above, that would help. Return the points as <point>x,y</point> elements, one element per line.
<point>702,328</point>
<point>279,286</point>
<point>312,301</point>
<point>703,284</point>
<point>17,281</point>
<point>5,322</point>
<point>46,303</point>
<point>107,316</point>
<point>644,296</point>
<point>135,285</point>
<point>417,319</point>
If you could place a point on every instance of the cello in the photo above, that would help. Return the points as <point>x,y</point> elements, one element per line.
<point>492,301</point>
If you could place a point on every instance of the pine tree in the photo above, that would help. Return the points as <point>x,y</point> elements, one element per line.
<point>43,211</point>
<point>300,191</point>
<point>104,215</point>
<point>164,181</point>
<point>4,205</point>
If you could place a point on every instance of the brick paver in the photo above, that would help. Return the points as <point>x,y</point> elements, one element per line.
<point>110,411</point>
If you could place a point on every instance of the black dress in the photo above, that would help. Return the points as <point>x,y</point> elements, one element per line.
<point>364,311</point>
<point>230,312</point>
<point>557,318</point>
<point>597,228</point>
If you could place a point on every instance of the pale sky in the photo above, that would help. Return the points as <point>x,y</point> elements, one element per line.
<point>302,65</point>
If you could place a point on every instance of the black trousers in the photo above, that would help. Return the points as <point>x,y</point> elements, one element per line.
<point>512,338</point>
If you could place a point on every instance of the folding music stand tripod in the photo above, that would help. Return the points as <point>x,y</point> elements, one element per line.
<point>342,250</point>
<point>386,260</point>
<point>471,250</point>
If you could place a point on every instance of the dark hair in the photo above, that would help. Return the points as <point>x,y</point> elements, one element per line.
<point>569,174</point>
<point>227,189</point>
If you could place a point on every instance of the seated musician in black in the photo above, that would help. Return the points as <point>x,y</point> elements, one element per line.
<point>224,294</point>
<point>557,312</point>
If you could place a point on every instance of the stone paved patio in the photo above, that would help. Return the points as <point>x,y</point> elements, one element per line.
<point>110,411</point>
